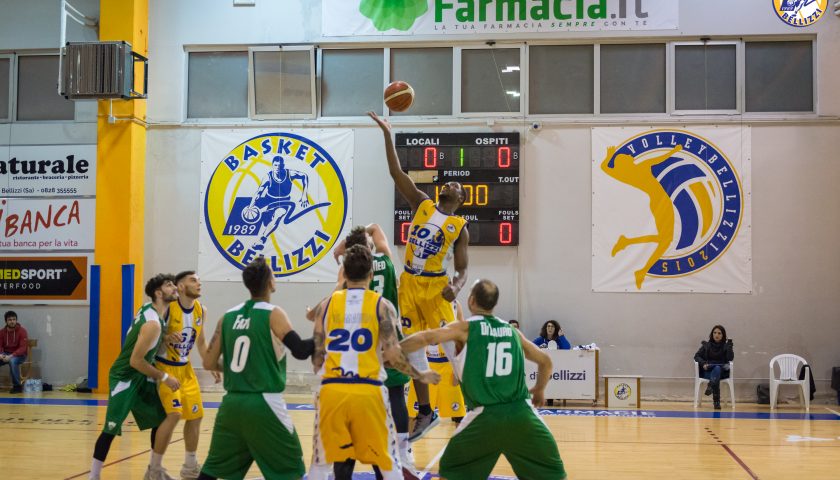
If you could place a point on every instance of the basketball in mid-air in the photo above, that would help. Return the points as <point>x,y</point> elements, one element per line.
<point>399,96</point>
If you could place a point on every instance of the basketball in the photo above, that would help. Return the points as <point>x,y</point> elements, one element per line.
<point>399,96</point>
<point>250,214</point>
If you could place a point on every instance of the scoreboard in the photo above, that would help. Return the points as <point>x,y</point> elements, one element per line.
<point>486,164</point>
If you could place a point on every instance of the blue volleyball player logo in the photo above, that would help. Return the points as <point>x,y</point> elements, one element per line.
<point>695,198</point>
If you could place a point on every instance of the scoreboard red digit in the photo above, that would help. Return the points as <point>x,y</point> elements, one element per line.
<point>486,164</point>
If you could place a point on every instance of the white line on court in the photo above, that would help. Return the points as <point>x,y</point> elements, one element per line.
<point>432,462</point>
<point>833,411</point>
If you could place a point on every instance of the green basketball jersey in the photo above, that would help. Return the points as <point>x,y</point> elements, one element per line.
<point>251,360</point>
<point>122,365</point>
<point>493,369</point>
<point>385,279</point>
<point>385,283</point>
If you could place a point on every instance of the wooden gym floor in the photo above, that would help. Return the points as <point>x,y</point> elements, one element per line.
<point>51,435</point>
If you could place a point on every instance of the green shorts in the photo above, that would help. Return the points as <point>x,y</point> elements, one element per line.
<point>510,429</point>
<point>395,378</point>
<point>254,427</point>
<point>135,394</point>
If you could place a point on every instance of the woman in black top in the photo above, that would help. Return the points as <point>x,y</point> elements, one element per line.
<point>714,357</point>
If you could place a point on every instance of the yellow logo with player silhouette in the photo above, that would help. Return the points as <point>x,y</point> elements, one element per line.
<point>278,195</point>
<point>800,13</point>
<point>694,196</point>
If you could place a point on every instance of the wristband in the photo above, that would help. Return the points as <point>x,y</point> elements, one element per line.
<point>164,377</point>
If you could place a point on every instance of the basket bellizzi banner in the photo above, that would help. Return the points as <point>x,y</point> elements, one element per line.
<point>281,195</point>
<point>671,209</point>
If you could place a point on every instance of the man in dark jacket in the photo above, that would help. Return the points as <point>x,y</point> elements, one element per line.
<point>13,345</point>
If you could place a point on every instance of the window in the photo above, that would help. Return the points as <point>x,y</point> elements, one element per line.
<point>352,82</point>
<point>37,95</point>
<point>490,80</point>
<point>217,85</point>
<point>5,83</point>
<point>283,82</point>
<point>705,77</point>
<point>561,79</point>
<point>779,77</point>
<point>429,72</point>
<point>633,78</point>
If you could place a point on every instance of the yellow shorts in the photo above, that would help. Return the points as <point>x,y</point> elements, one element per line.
<point>422,307</point>
<point>354,421</point>
<point>187,400</point>
<point>447,397</point>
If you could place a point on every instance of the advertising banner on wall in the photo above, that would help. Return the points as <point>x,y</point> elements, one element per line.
<point>44,279</point>
<point>671,209</point>
<point>344,18</point>
<point>48,170</point>
<point>282,195</point>
<point>32,224</point>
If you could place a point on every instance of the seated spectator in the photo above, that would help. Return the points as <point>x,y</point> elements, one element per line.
<point>514,323</point>
<point>713,358</point>
<point>552,337</point>
<point>13,344</point>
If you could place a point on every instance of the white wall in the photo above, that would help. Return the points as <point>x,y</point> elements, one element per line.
<point>62,332</point>
<point>794,307</point>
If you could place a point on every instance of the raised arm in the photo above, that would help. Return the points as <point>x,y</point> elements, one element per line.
<point>380,240</point>
<point>404,184</point>
<point>391,350</point>
<point>461,262</point>
<point>605,165</point>
<point>543,361</point>
<point>661,158</point>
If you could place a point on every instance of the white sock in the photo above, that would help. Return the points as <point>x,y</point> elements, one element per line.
<point>95,469</point>
<point>320,471</point>
<point>404,447</point>
<point>190,460</point>
<point>156,460</point>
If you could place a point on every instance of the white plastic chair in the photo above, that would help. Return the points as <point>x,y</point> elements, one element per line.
<point>700,382</point>
<point>789,365</point>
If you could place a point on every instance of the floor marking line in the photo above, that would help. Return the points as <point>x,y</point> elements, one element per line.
<point>120,460</point>
<point>432,463</point>
<point>740,462</point>
<point>833,411</point>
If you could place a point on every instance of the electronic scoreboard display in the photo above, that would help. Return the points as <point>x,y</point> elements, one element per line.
<point>486,164</point>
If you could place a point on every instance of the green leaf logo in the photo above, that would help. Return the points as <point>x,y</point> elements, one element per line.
<point>398,14</point>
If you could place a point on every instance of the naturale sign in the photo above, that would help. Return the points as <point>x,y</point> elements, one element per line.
<point>424,17</point>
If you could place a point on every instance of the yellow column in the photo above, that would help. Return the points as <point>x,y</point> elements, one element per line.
<point>120,182</point>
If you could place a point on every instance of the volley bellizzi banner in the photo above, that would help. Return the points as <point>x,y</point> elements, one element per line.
<point>671,210</point>
<point>343,18</point>
<point>283,195</point>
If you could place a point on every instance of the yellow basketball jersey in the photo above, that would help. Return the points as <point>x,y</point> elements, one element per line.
<point>351,327</point>
<point>430,237</point>
<point>186,322</point>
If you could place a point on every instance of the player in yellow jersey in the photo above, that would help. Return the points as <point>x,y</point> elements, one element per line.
<point>426,291</point>
<point>355,329</point>
<point>184,329</point>
<point>446,398</point>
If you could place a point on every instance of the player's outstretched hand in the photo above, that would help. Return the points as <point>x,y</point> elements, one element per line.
<point>537,397</point>
<point>383,124</point>
<point>304,202</point>
<point>430,376</point>
<point>449,293</point>
<point>172,383</point>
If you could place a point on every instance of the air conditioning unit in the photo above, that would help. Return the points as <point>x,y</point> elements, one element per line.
<point>101,70</point>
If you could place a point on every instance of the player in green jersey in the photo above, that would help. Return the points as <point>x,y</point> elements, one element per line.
<point>253,423</point>
<point>491,365</point>
<point>131,380</point>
